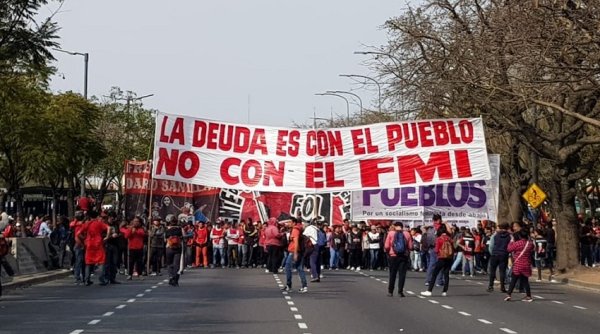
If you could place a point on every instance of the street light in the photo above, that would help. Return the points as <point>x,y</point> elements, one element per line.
<point>86,59</point>
<point>368,78</point>
<point>315,118</point>
<point>340,96</point>
<point>350,93</point>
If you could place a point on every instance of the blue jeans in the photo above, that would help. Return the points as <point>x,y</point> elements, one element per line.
<point>457,261</point>
<point>334,258</point>
<point>78,268</point>
<point>431,267</point>
<point>218,250</point>
<point>374,255</point>
<point>298,265</point>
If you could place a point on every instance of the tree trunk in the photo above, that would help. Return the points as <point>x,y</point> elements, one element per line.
<point>70,199</point>
<point>567,239</point>
<point>3,197</point>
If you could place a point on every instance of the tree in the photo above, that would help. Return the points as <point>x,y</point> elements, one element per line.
<point>24,71</point>
<point>66,142</point>
<point>530,70</point>
<point>126,131</point>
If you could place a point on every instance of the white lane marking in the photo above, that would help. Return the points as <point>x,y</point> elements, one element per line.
<point>294,309</point>
<point>298,316</point>
<point>421,297</point>
<point>384,282</point>
<point>108,314</point>
<point>468,280</point>
<point>378,279</point>
<point>290,303</point>
<point>579,307</point>
<point>538,297</point>
<point>154,287</point>
<point>77,331</point>
<point>161,283</point>
<point>280,285</point>
<point>434,301</point>
<point>93,322</point>
<point>371,277</point>
<point>148,290</point>
<point>165,280</point>
<point>120,307</point>
<point>557,302</point>
<point>287,297</point>
<point>410,292</point>
<point>479,283</point>
<point>130,300</point>
<point>509,331</point>
<point>285,292</point>
<point>302,325</point>
<point>448,307</point>
<point>464,313</point>
<point>485,321</point>
<point>140,295</point>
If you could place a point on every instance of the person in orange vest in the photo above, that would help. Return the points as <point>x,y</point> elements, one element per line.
<point>135,235</point>
<point>201,241</point>
<point>93,234</point>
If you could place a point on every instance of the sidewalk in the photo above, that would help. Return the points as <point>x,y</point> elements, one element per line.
<point>585,278</point>
<point>27,280</point>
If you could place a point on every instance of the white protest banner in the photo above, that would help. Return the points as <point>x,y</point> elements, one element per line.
<point>236,156</point>
<point>461,203</point>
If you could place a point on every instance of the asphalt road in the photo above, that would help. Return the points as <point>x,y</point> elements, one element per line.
<point>250,301</point>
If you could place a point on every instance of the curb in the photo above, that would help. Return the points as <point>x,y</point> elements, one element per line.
<point>21,282</point>
<point>582,285</point>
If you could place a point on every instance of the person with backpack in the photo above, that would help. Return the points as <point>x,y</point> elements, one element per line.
<point>397,246</point>
<point>444,250</point>
<point>311,234</point>
<point>295,257</point>
<point>174,238</point>
<point>498,248</point>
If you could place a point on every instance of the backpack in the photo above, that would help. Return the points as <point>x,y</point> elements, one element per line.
<point>321,238</point>
<point>447,250</point>
<point>399,243</point>
<point>4,247</point>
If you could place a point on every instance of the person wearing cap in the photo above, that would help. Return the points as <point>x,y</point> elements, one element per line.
<point>398,262</point>
<point>429,240</point>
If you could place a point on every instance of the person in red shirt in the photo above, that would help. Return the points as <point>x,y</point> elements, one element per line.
<point>135,235</point>
<point>295,258</point>
<point>201,241</point>
<point>93,234</point>
<point>444,259</point>
<point>78,248</point>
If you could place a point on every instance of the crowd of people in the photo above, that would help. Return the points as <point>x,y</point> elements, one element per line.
<point>106,244</point>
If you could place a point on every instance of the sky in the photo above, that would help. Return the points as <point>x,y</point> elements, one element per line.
<point>241,61</point>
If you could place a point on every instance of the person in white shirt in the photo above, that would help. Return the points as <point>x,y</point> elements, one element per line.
<point>45,229</point>
<point>374,245</point>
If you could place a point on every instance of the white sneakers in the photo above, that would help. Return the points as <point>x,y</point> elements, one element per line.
<point>357,268</point>
<point>444,294</point>
<point>303,290</point>
<point>426,293</point>
<point>352,268</point>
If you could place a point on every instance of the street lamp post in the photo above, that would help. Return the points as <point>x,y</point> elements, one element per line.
<point>86,59</point>
<point>368,78</point>
<point>340,96</point>
<point>350,93</point>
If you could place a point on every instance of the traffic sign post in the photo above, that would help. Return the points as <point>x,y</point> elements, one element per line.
<point>534,195</point>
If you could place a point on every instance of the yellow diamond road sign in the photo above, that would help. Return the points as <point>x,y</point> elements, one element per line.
<point>534,195</point>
